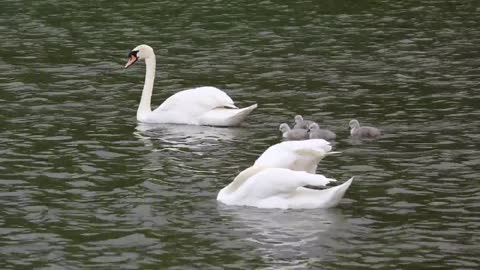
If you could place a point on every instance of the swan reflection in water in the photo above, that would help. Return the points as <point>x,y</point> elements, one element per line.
<point>177,152</point>
<point>177,137</point>
<point>286,236</point>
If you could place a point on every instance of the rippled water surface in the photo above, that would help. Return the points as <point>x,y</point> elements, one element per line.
<point>83,185</point>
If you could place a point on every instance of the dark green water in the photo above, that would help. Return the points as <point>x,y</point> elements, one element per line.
<point>83,186</point>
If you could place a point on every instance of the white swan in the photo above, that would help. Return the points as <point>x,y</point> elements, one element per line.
<point>278,177</point>
<point>208,106</point>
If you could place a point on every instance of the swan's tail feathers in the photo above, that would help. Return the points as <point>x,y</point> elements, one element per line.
<point>326,198</point>
<point>236,119</point>
<point>226,117</point>
<point>333,153</point>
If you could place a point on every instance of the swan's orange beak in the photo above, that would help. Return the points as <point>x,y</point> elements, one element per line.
<point>131,60</point>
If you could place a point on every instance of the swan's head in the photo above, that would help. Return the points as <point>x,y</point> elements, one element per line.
<point>313,126</point>
<point>284,127</point>
<point>298,119</point>
<point>354,124</point>
<point>138,53</point>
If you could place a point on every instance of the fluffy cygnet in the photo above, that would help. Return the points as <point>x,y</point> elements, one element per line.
<point>315,132</point>
<point>300,123</point>
<point>293,134</point>
<point>358,131</point>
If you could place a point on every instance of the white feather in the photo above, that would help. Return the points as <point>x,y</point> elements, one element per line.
<point>295,155</point>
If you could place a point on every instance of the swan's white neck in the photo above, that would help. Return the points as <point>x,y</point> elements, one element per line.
<point>145,108</point>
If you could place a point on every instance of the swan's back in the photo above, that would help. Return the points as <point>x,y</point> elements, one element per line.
<point>199,106</point>
<point>197,100</point>
<point>295,155</point>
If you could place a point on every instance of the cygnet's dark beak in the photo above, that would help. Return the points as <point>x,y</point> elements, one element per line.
<point>132,58</point>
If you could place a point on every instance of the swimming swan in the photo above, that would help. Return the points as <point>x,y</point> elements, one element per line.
<point>278,177</point>
<point>207,105</point>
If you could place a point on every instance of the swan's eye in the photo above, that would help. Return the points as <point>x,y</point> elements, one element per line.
<point>133,53</point>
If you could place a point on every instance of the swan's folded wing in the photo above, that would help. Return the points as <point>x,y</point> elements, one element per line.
<point>295,155</point>
<point>281,182</point>
<point>281,188</point>
<point>200,106</point>
<point>197,101</point>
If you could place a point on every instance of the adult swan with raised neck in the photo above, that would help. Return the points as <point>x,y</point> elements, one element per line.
<point>206,105</point>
